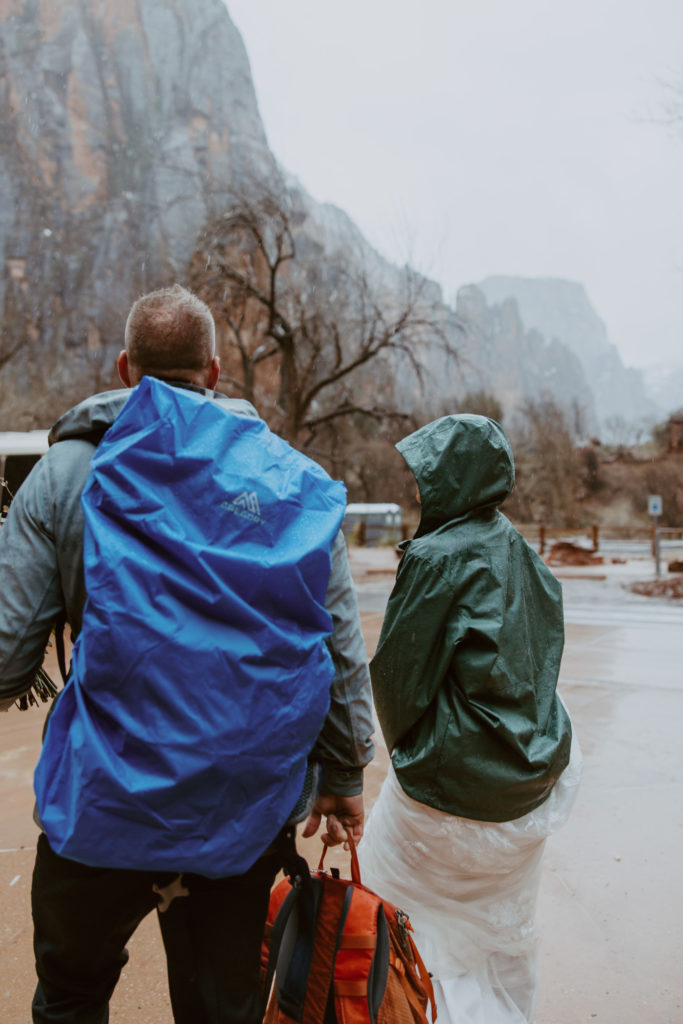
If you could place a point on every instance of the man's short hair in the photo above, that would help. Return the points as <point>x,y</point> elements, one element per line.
<point>170,329</point>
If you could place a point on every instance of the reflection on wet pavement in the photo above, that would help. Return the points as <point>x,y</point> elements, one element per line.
<point>611,903</point>
<point>610,906</point>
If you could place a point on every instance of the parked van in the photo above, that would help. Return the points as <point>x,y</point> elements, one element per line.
<point>19,452</point>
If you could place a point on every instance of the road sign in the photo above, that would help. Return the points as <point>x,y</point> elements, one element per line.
<point>654,504</point>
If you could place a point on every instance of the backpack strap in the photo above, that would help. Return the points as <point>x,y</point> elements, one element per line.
<point>335,903</point>
<point>293,934</point>
<point>308,927</point>
<point>293,864</point>
<point>60,626</point>
<point>425,977</point>
<point>292,947</point>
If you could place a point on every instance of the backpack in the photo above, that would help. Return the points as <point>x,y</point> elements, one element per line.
<point>340,954</point>
<point>200,678</point>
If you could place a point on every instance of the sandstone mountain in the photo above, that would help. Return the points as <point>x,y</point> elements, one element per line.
<point>123,127</point>
<point>514,359</point>
<point>562,312</point>
<point>664,385</point>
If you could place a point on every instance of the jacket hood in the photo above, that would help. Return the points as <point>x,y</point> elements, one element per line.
<point>462,464</point>
<point>92,417</point>
<point>89,418</point>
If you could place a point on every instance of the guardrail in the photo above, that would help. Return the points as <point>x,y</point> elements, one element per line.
<point>541,535</point>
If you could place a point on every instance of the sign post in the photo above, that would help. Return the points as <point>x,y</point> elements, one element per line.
<point>654,509</point>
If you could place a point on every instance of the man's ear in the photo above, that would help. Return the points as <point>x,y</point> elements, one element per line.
<point>123,368</point>
<point>214,373</point>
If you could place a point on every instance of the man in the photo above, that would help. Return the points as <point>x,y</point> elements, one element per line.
<point>85,910</point>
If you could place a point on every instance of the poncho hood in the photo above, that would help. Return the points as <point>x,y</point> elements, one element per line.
<point>462,464</point>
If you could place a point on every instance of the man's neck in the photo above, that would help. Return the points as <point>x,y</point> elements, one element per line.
<point>178,382</point>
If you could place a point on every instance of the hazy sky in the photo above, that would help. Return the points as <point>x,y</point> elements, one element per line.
<point>477,137</point>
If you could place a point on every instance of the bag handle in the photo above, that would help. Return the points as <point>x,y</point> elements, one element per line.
<point>355,866</point>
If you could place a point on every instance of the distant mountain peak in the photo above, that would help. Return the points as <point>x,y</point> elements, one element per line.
<point>562,311</point>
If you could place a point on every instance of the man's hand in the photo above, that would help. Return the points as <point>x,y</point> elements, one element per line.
<point>342,812</point>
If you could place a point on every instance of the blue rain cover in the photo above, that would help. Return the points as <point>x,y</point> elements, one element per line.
<point>200,679</point>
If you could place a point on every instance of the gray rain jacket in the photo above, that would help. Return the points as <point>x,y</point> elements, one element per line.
<point>41,575</point>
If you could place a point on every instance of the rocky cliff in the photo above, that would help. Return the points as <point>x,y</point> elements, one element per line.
<point>562,312</point>
<point>506,355</point>
<point>664,386</point>
<point>122,128</point>
<point>122,124</point>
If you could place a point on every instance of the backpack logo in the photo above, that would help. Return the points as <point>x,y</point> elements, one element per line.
<point>246,505</point>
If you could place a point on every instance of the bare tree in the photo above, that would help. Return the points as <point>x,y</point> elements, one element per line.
<point>479,402</point>
<point>303,323</point>
<point>548,469</point>
<point>16,323</point>
<point>9,348</point>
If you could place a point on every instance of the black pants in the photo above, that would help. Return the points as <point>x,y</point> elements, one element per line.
<point>83,917</point>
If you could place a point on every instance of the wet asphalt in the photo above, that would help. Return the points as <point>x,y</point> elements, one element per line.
<point>611,906</point>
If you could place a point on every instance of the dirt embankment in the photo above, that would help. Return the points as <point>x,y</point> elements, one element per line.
<point>668,586</point>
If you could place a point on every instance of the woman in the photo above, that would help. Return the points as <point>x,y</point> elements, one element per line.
<point>483,763</point>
